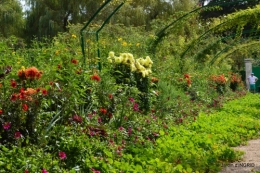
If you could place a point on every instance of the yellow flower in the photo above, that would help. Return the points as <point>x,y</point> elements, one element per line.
<point>18,62</point>
<point>137,44</point>
<point>130,57</point>
<point>132,67</point>
<point>141,61</point>
<point>57,52</point>
<point>73,36</point>
<point>111,54</point>
<point>118,59</point>
<point>23,68</point>
<point>144,73</point>
<point>109,59</point>
<point>119,39</point>
<point>124,43</point>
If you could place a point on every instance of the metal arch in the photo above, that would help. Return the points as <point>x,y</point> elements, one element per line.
<point>159,35</point>
<point>198,39</point>
<point>97,32</point>
<point>227,37</point>
<point>223,50</point>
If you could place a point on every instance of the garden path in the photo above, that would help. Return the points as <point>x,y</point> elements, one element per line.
<point>250,162</point>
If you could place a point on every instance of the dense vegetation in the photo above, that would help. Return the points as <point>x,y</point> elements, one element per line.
<point>163,95</point>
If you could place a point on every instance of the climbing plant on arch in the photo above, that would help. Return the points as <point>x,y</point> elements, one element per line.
<point>233,24</point>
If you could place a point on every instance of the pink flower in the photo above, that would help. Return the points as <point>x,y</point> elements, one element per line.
<point>17,135</point>
<point>121,128</point>
<point>77,118</point>
<point>91,133</point>
<point>62,155</point>
<point>6,125</point>
<point>131,99</point>
<point>135,107</point>
<point>130,131</point>
<point>99,120</point>
<point>44,171</point>
<point>95,171</point>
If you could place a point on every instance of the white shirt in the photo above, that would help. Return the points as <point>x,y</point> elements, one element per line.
<point>252,79</point>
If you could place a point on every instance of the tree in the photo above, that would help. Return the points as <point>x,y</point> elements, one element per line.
<point>47,18</point>
<point>226,7</point>
<point>11,18</point>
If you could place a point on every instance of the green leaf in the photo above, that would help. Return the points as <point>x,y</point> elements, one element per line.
<point>161,132</point>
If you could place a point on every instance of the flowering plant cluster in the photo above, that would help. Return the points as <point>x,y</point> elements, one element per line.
<point>19,109</point>
<point>219,79</point>
<point>134,72</point>
<point>139,65</point>
<point>184,82</point>
<point>235,78</point>
<point>219,82</point>
<point>68,118</point>
<point>235,81</point>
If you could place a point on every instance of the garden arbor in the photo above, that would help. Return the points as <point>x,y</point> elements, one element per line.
<point>87,33</point>
<point>222,37</point>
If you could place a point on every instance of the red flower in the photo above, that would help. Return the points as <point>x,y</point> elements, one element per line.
<point>13,97</point>
<point>25,107</point>
<point>17,135</point>
<point>155,80</point>
<point>59,66</point>
<point>21,74</point>
<point>1,111</point>
<point>103,111</point>
<point>77,118</point>
<point>95,77</point>
<point>44,92</point>
<point>74,61</point>
<point>186,76</point>
<point>22,94</point>
<point>13,83</point>
<point>110,96</point>
<point>62,155</point>
<point>38,90</point>
<point>26,171</point>
<point>32,73</point>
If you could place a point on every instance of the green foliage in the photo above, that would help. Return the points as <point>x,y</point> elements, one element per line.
<point>11,17</point>
<point>85,120</point>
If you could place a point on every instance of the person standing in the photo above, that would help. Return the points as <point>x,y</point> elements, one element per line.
<point>252,80</point>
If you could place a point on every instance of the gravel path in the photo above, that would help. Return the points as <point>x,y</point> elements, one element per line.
<point>250,161</point>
